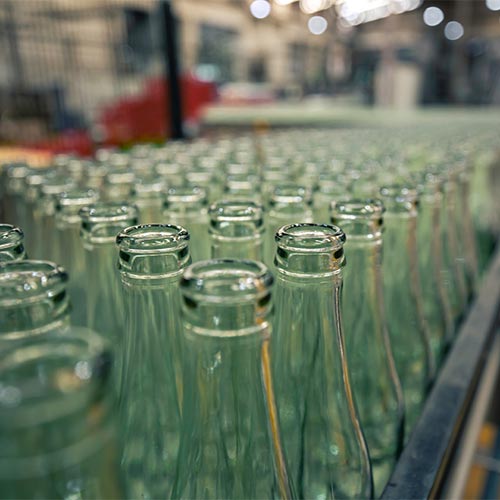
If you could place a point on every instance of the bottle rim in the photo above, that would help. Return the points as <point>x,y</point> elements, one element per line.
<point>26,281</point>
<point>239,210</point>
<point>306,237</point>
<point>226,281</point>
<point>152,238</point>
<point>108,212</point>
<point>10,236</point>
<point>357,208</point>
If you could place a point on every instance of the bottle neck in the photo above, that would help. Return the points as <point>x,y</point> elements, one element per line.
<point>310,251</point>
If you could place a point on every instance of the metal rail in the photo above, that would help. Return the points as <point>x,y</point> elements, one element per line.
<point>423,466</point>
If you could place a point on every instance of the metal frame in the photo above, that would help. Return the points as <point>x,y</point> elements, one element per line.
<point>426,462</point>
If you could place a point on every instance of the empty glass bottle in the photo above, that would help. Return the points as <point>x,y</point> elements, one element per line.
<point>230,442</point>
<point>410,339</point>
<point>147,194</point>
<point>68,248</point>
<point>11,243</point>
<point>57,425</point>
<point>373,375</point>
<point>188,207</point>
<point>435,301</point>
<point>13,194</point>
<point>151,259</point>
<point>100,224</point>
<point>236,229</point>
<point>288,203</point>
<point>322,434</point>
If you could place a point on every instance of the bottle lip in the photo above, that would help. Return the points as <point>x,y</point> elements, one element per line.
<point>240,210</point>
<point>108,212</point>
<point>290,195</point>
<point>356,208</point>
<point>152,239</point>
<point>76,368</point>
<point>310,238</point>
<point>29,281</point>
<point>186,194</point>
<point>10,236</point>
<point>72,200</point>
<point>399,197</point>
<point>226,281</point>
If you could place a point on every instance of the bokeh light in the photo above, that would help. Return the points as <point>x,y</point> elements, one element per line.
<point>260,9</point>
<point>317,25</point>
<point>433,16</point>
<point>453,30</point>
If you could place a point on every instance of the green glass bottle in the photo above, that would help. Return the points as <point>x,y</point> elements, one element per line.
<point>236,229</point>
<point>151,259</point>
<point>44,214</point>
<point>68,249</point>
<point>11,243</point>
<point>57,419</point>
<point>147,194</point>
<point>33,299</point>
<point>100,224</point>
<point>408,330</point>
<point>322,435</point>
<point>454,272</point>
<point>230,442</point>
<point>288,203</point>
<point>435,301</point>
<point>117,184</point>
<point>374,379</point>
<point>188,207</point>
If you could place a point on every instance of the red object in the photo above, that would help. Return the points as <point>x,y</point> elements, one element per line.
<point>145,117</point>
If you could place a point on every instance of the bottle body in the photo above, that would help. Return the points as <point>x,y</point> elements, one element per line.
<point>322,435</point>
<point>372,370</point>
<point>230,442</point>
<point>152,257</point>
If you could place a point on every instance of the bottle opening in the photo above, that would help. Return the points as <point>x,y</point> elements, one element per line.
<point>226,281</point>
<point>359,217</point>
<point>102,221</point>
<point>30,280</point>
<point>10,236</point>
<point>399,198</point>
<point>311,238</point>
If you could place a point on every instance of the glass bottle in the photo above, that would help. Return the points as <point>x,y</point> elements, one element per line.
<point>188,207</point>
<point>288,203</point>
<point>14,207</point>
<point>236,229</point>
<point>374,379</point>
<point>151,259</point>
<point>453,269</point>
<point>230,442</point>
<point>331,187</point>
<point>147,194</point>
<point>118,184</point>
<point>322,435</point>
<point>68,248</point>
<point>33,299</point>
<point>100,224</point>
<point>57,421</point>
<point>435,303</point>
<point>408,330</point>
<point>44,214</point>
<point>11,243</point>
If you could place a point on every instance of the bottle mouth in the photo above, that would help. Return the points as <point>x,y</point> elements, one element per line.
<point>51,376</point>
<point>310,238</point>
<point>226,282</point>
<point>290,195</point>
<point>56,186</point>
<point>102,221</point>
<point>186,195</point>
<point>27,281</point>
<point>10,237</point>
<point>237,211</point>
<point>149,188</point>
<point>70,202</point>
<point>399,198</point>
<point>358,209</point>
<point>152,238</point>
